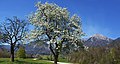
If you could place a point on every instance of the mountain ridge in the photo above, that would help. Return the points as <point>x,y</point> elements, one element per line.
<point>97,40</point>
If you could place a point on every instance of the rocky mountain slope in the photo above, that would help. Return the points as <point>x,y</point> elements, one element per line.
<point>115,43</point>
<point>97,40</point>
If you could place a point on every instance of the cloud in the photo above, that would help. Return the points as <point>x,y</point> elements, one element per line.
<point>93,29</point>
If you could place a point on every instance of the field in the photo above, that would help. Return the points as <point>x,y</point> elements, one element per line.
<point>23,61</point>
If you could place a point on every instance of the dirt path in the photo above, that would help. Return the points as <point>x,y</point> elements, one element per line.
<point>61,62</point>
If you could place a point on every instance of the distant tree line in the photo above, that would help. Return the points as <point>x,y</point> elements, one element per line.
<point>97,55</point>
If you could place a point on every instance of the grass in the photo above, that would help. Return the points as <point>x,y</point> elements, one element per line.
<point>44,60</point>
<point>48,57</point>
<point>23,61</point>
<point>63,60</point>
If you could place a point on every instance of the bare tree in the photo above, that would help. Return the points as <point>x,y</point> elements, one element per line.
<point>15,31</point>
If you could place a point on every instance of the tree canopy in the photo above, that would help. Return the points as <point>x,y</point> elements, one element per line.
<point>56,24</point>
<point>14,32</point>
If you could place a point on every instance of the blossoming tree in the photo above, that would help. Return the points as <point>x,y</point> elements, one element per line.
<point>55,22</point>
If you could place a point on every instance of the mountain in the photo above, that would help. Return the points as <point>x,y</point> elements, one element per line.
<point>5,47</point>
<point>115,42</point>
<point>31,48</point>
<point>36,48</point>
<point>97,40</point>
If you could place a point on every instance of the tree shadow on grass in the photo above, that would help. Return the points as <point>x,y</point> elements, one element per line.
<point>25,62</point>
<point>19,62</point>
<point>1,61</point>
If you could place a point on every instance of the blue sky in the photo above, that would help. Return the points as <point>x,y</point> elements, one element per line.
<point>98,16</point>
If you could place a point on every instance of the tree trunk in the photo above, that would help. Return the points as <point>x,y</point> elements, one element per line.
<point>12,53</point>
<point>51,56</point>
<point>54,54</point>
<point>55,59</point>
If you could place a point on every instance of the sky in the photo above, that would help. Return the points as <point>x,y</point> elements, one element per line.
<point>97,16</point>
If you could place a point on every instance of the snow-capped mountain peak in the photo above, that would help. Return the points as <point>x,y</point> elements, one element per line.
<point>98,40</point>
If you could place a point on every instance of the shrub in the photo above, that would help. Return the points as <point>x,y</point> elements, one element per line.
<point>4,53</point>
<point>96,56</point>
<point>21,53</point>
<point>40,57</point>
